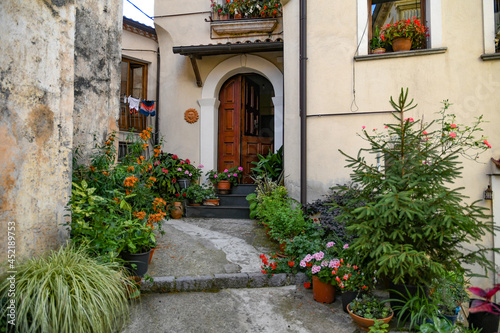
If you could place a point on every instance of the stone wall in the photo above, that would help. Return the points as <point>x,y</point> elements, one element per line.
<point>97,70</point>
<point>59,83</point>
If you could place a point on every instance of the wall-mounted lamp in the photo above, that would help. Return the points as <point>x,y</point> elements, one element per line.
<point>488,193</point>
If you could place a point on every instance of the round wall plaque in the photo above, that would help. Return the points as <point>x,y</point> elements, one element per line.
<point>191,116</point>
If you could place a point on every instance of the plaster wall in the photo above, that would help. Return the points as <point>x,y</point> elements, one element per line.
<point>59,84</point>
<point>337,84</point>
<point>178,89</point>
<point>459,75</point>
<point>36,125</point>
<point>97,60</point>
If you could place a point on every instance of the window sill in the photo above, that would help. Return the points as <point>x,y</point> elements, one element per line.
<point>402,54</point>
<point>490,56</point>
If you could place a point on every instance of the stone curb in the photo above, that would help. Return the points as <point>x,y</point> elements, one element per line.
<point>220,281</point>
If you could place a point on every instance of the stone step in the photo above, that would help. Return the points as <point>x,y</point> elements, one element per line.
<point>233,200</point>
<point>222,212</point>
<point>221,281</point>
<point>243,189</point>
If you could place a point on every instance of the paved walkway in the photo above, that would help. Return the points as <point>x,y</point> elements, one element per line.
<point>207,279</point>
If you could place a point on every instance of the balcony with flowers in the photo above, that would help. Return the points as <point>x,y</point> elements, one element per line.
<point>245,18</point>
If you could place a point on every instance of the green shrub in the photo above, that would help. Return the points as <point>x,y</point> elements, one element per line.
<point>282,214</point>
<point>66,291</point>
<point>411,225</point>
<point>270,166</point>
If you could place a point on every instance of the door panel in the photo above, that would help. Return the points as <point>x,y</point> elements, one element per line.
<point>229,124</point>
<point>240,138</point>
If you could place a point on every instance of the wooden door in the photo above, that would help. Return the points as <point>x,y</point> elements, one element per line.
<point>230,124</point>
<point>252,142</point>
<point>240,137</point>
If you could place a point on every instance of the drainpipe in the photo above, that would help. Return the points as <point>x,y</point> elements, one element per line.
<point>303,100</point>
<point>157,131</point>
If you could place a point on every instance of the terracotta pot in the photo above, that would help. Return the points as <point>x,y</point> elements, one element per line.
<point>176,212</point>
<point>211,202</point>
<point>224,187</point>
<point>224,17</point>
<point>323,292</point>
<point>267,229</point>
<point>151,254</point>
<point>364,323</point>
<point>401,44</point>
<point>237,16</point>
<point>349,296</point>
<point>134,288</point>
<point>379,50</point>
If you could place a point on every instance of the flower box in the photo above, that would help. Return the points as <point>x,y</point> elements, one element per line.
<point>244,26</point>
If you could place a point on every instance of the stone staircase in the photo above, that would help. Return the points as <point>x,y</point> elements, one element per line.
<point>233,205</point>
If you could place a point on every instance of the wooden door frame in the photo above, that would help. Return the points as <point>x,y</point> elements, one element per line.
<point>209,102</point>
<point>248,145</point>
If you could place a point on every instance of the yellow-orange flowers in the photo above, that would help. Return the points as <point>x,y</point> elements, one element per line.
<point>130,181</point>
<point>140,215</point>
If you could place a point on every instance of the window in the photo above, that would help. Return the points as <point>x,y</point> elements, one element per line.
<point>134,84</point>
<point>383,12</point>
<point>497,25</point>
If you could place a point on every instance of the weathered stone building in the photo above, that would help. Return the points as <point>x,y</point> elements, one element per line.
<point>59,86</point>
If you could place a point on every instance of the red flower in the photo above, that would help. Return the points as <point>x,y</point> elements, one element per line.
<point>174,181</point>
<point>184,195</point>
<point>175,157</point>
<point>177,195</point>
<point>188,161</point>
<point>307,285</point>
<point>291,263</point>
<point>263,271</point>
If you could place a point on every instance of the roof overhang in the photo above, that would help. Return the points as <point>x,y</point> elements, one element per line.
<point>198,51</point>
<point>207,50</point>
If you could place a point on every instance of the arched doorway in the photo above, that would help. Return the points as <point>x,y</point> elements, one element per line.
<point>246,122</point>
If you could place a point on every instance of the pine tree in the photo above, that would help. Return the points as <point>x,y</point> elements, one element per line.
<point>411,225</point>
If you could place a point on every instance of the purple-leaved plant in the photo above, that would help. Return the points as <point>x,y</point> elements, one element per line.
<point>486,305</point>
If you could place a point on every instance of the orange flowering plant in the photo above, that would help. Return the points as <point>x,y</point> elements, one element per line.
<point>113,205</point>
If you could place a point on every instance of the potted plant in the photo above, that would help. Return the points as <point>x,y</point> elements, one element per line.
<point>351,280</point>
<point>320,266</point>
<point>136,240</point>
<point>211,198</point>
<point>413,305</point>
<point>224,179</point>
<point>404,35</point>
<point>449,292</point>
<point>366,309</point>
<point>377,43</point>
<point>483,313</point>
<point>404,209</point>
<point>194,194</point>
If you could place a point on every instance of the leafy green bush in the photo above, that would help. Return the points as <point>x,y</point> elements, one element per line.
<point>67,291</point>
<point>411,226</point>
<point>282,214</point>
<point>270,166</point>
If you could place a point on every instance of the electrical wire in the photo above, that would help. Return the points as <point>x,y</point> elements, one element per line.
<point>149,17</point>
<point>353,103</point>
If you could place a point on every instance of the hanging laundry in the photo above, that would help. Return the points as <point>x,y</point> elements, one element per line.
<point>133,104</point>
<point>147,108</point>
